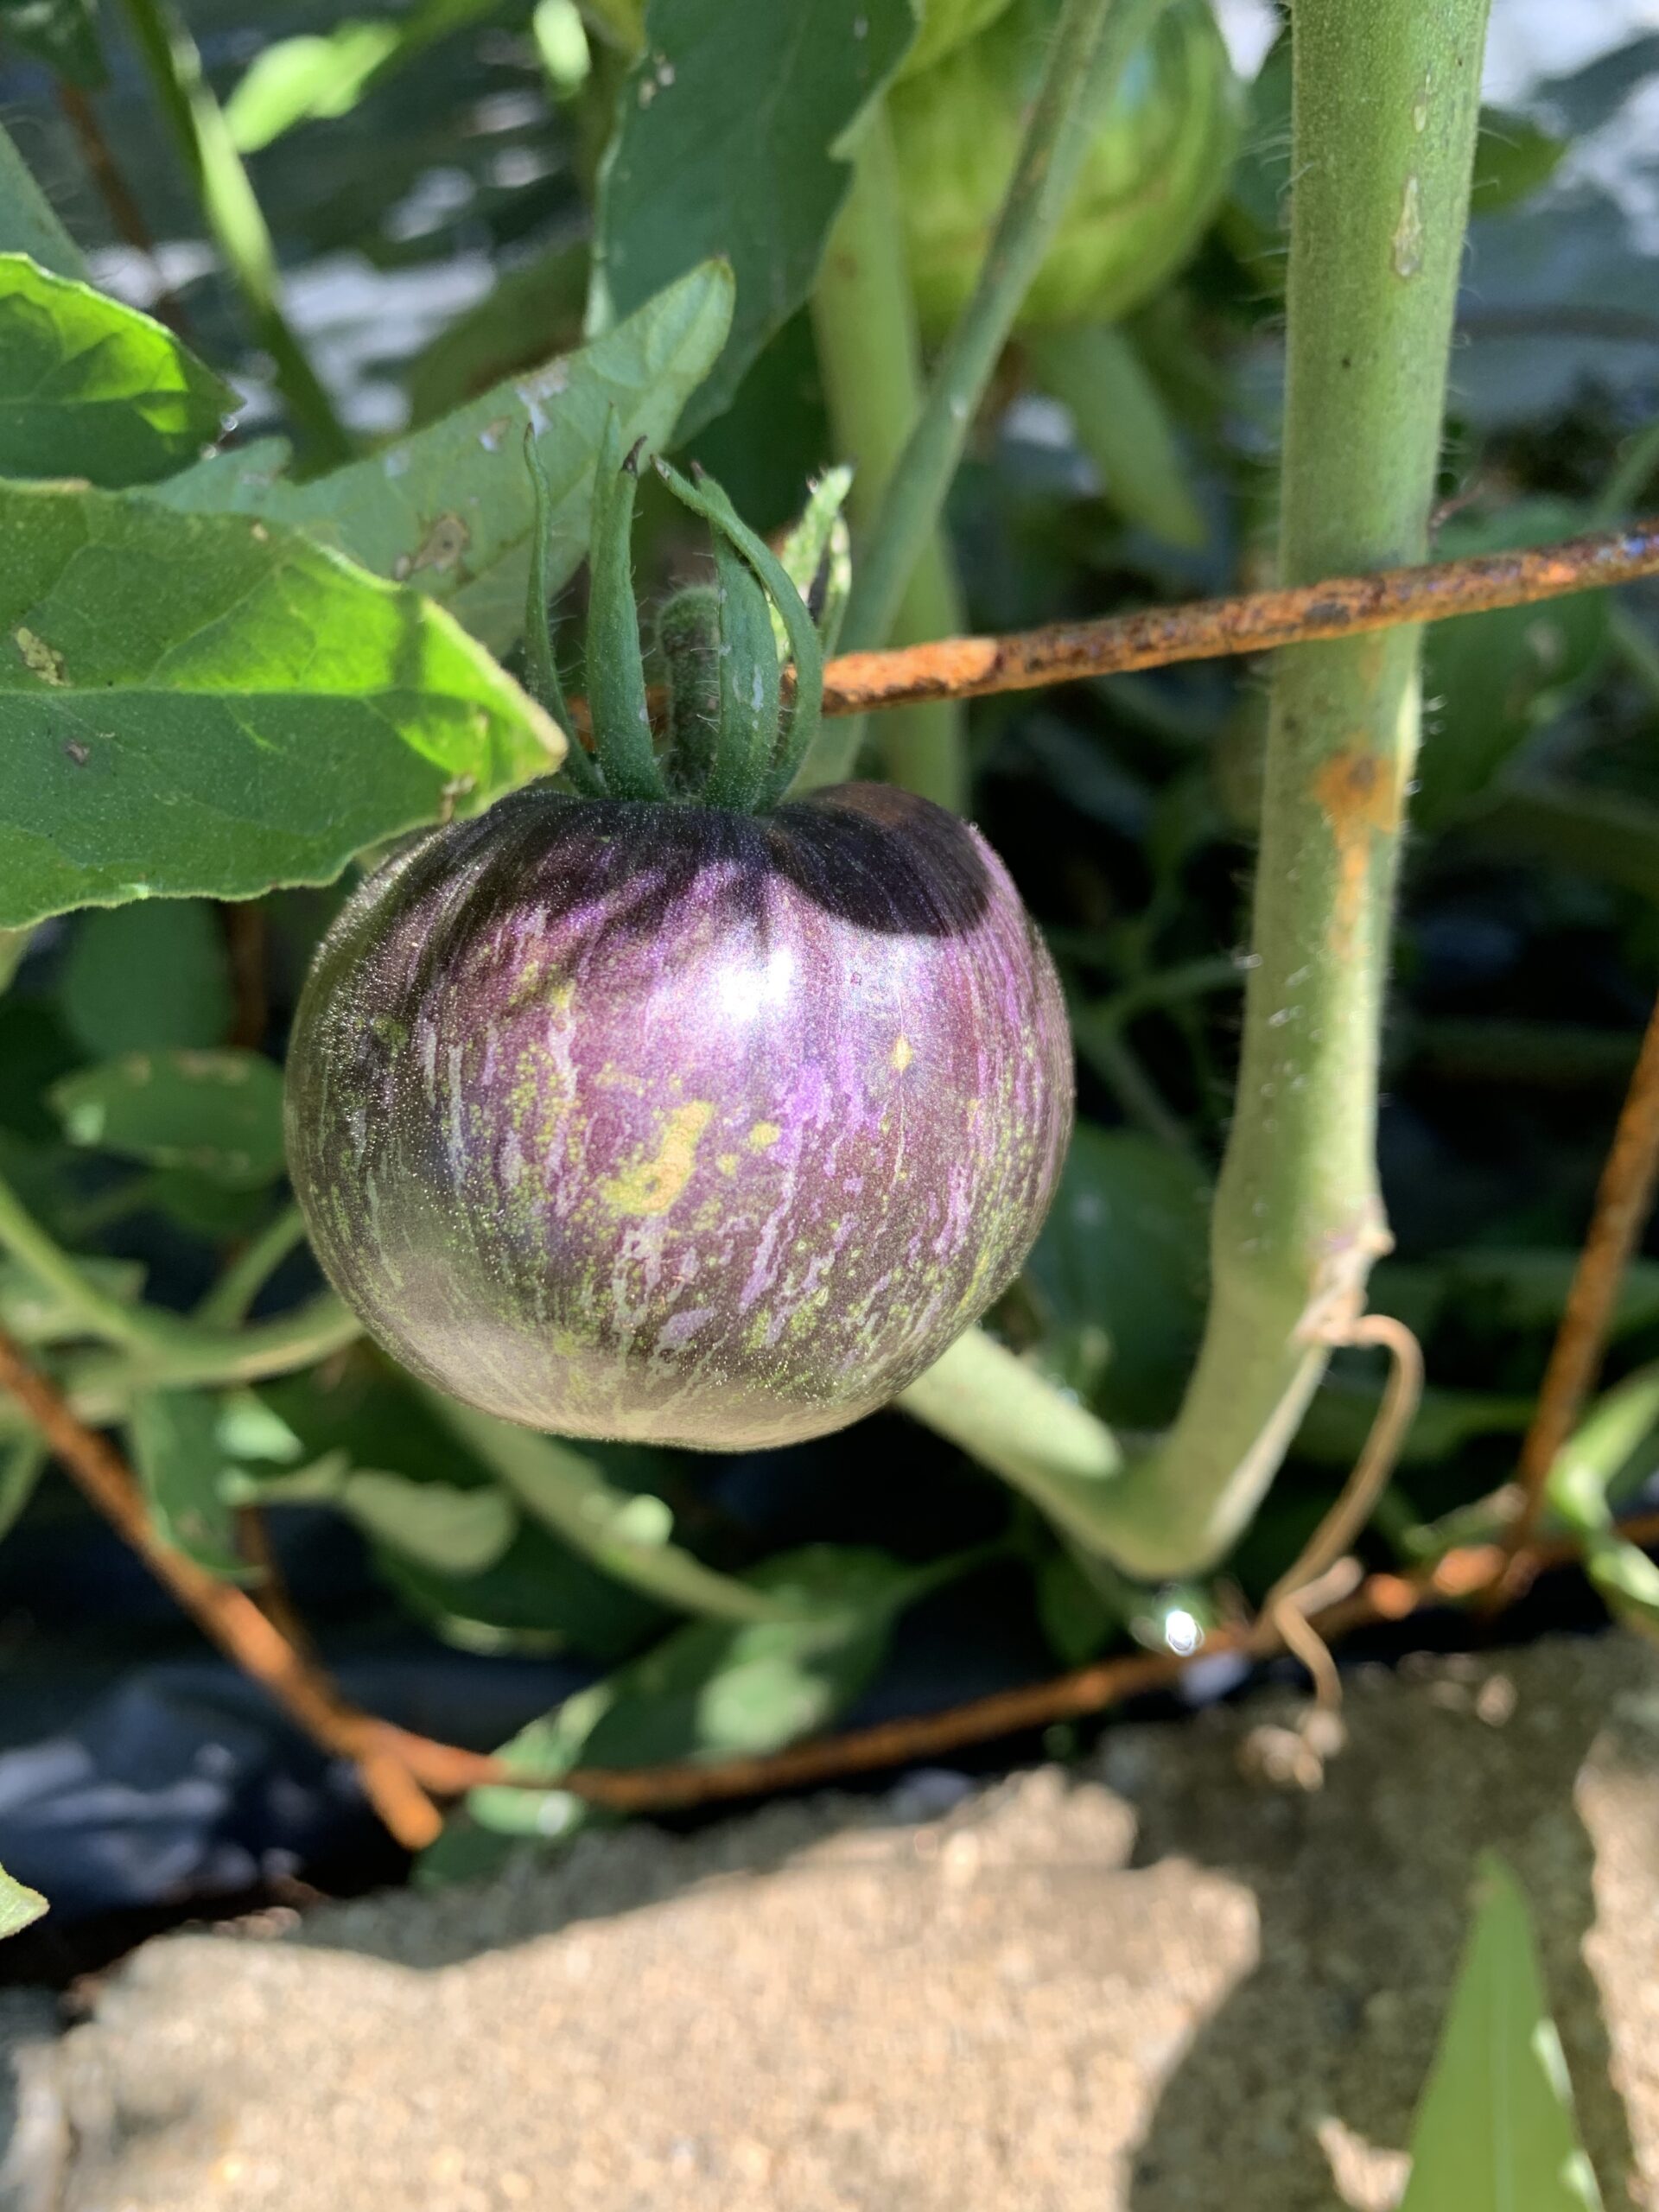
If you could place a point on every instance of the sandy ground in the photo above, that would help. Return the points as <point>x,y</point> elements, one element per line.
<point>1153,1982</point>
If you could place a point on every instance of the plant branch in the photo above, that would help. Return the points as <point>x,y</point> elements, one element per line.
<point>226,1615</point>
<point>870,355</point>
<point>1384,114</point>
<point>1092,44</point>
<point>203,140</point>
<point>1623,1202</point>
<point>1009,1418</point>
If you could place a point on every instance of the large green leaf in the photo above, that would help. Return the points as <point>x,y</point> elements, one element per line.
<point>93,388</point>
<point>1496,2131</point>
<point>204,704</point>
<point>140,978</point>
<point>219,1113</point>
<point>18,1906</point>
<point>730,140</point>
<point>450,507</point>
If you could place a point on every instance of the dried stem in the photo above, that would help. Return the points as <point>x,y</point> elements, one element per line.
<point>226,1615</point>
<point>1623,1201</point>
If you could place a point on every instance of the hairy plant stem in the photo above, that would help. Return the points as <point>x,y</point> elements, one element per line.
<point>1093,42</point>
<point>1384,115</point>
<point>864,320</point>
<point>202,136</point>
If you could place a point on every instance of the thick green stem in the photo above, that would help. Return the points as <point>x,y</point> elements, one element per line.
<point>1093,42</point>
<point>624,1533</point>
<point>204,142</point>
<point>864,317</point>
<point>1386,102</point>
<point>1011,1421</point>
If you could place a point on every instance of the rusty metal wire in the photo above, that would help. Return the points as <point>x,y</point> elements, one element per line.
<point>1252,622</point>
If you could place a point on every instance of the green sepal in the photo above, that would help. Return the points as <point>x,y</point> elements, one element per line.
<point>541,668</point>
<point>688,640</point>
<point>616,668</point>
<point>746,743</point>
<point>705,497</point>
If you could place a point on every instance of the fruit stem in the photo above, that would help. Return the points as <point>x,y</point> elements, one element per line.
<point>870,357</point>
<point>1384,114</point>
<point>203,139</point>
<point>564,1489</point>
<point>1010,1419</point>
<point>1093,42</point>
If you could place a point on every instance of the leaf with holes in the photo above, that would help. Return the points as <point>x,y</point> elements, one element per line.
<point>730,140</point>
<point>207,704</point>
<point>90,388</point>
<point>450,507</point>
<point>218,1113</point>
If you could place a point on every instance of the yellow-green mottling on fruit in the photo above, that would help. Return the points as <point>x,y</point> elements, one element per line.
<point>1154,174</point>
<point>669,1122</point>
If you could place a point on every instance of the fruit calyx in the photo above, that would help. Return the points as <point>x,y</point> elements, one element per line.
<point>738,735</point>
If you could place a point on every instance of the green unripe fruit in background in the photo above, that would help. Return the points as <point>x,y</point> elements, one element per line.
<point>1155,172</point>
<point>945,24</point>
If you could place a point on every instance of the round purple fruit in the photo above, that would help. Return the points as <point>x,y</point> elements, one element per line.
<point>679,1123</point>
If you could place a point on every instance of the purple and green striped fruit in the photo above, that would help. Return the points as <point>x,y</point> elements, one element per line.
<point>675,1123</point>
